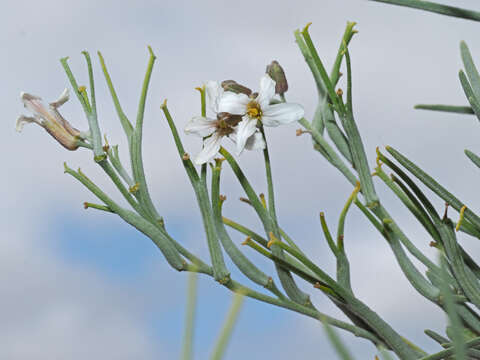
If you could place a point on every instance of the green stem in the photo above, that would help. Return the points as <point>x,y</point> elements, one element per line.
<point>227,329</point>
<point>190,317</point>
<point>144,226</point>
<point>451,351</point>
<point>239,259</point>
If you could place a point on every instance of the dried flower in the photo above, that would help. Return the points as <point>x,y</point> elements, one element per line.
<point>50,119</point>
<point>275,71</point>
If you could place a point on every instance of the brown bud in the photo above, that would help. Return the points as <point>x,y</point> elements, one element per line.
<point>233,86</point>
<point>278,75</point>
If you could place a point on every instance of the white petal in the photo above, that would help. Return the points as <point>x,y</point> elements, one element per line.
<point>267,91</point>
<point>200,126</point>
<point>22,120</point>
<point>235,104</point>
<point>62,99</point>
<point>280,114</point>
<point>244,130</point>
<point>210,149</point>
<point>214,92</point>
<point>255,142</point>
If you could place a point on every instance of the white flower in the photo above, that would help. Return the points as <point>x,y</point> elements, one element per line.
<point>258,109</point>
<point>224,125</point>
<point>50,119</point>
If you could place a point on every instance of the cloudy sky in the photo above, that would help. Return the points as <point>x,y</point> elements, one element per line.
<point>79,284</point>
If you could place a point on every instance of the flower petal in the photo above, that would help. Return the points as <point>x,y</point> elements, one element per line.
<point>267,91</point>
<point>255,142</point>
<point>35,105</point>
<point>210,149</point>
<point>22,120</point>
<point>200,126</point>
<point>280,114</point>
<point>62,99</point>
<point>244,130</point>
<point>214,92</point>
<point>235,104</point>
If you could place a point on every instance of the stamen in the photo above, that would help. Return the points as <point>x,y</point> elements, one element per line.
<point>253,110</point>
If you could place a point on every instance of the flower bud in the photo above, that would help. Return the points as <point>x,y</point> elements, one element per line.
<point>51,120</point>
<point>278,75</point>
<point>233,86</point>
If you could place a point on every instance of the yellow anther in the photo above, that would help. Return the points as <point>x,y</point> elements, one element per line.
<point>459,223</point>
<point>254,110</point>
<point>164,104</point>
<point>82,88</point>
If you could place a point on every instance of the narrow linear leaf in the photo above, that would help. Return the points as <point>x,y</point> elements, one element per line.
<point>126,124</point>
<point>470,68</point>
<point>436,8</point>
<point>475,158</point>
<point>445,108</point>
<point>337,343</point>
<point>454,319</point>
<point>227,329</point>
<point>474,102</point>
<point>239,259</point>
<point>187,348</point>
<point>357,149</point>
<point>434,186</point>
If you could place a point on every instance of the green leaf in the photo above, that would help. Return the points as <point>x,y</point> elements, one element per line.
<point>190,317</point>
<point>445,108</point>
<point>436,8</point>
<point>434,186</point>
<point>337,343</point>
<point>474,102</point>
<point>227,329</point>
<point>470,68</point>
<point>475,158</point>
<point>454,320</point>
<point>127,126</point>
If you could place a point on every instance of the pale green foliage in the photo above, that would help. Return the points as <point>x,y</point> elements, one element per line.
<point>452,284</point>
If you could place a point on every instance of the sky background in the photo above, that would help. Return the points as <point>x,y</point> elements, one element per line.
<point>78,284</point>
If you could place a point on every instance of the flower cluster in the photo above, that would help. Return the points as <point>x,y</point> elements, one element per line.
<point>239,115</point>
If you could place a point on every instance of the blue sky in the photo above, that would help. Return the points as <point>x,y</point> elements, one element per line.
<point>79,284</point>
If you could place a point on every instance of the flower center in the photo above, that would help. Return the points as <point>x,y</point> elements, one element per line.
<point>254,110</point>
